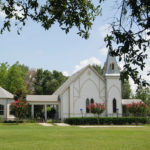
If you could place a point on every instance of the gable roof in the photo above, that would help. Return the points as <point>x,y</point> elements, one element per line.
<point>72,78</point>
<point>5,94</point>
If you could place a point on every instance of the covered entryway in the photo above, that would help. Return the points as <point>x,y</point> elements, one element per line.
<point>44,107</point>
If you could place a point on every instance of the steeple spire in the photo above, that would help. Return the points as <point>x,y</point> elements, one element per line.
<point>111,66</point>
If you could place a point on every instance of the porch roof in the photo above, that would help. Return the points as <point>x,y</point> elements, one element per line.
<point>42,98</point>
<point>130,101</point>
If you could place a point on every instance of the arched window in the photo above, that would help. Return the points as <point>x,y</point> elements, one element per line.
<point>112,66</point>
<point>92,101</point>
<point>1,109</point>
<point>87,104</point>
<point>114,105</point>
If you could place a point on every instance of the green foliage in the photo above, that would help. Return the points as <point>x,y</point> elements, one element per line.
<point>3,74</point>
<point>67,14</point>
<point>13,77</point>
<point>143,93</point>
<point>126,89</point>
<point>98,69</point>
<point>19,95</point>
<point>106,120</point>
<point>129,38</point>
<point>47,82</point>
<point>130,28</point>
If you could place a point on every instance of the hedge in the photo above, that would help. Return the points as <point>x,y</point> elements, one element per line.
<point>106,120</point>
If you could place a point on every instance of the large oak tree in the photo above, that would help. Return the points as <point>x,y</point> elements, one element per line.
<point>130,29</point>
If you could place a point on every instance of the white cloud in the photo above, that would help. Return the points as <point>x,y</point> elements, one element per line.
<point>104,30</point>
<point>83,63</point>
<point>65,73</point>
<point>104,51</point>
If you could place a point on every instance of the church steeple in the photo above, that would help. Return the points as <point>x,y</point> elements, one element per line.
<point>111,66</point>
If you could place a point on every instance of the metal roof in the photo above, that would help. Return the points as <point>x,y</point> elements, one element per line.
<point>5,94</point>
<point>107,65</point>
<point>41,98</point>
<point>130,101</point>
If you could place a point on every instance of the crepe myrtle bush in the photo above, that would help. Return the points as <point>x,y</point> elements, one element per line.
<point>137,108</point>
<point>97,109</point>
<point>19,109</point>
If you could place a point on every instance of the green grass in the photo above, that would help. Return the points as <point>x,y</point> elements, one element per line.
<point>36,137</point>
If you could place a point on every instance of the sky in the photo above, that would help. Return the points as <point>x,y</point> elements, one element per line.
<point>55,50</point>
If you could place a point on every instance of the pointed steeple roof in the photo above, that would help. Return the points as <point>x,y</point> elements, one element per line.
<point>111,66</point>
<point>5,94</point>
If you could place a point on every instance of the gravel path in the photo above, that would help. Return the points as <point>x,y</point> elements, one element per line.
<point>46,124</point>
<point>62,124</point>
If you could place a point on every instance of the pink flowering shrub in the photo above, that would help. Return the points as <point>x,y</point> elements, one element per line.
<point>97,108</point>
<point>19,109</point>
<point>137,109</point>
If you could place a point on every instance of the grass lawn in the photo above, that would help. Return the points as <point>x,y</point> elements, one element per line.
<point>36,137</point>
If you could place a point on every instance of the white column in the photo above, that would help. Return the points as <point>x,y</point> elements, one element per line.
<point>45,112</point>
<point>32,110</point>
<point>59,110</point>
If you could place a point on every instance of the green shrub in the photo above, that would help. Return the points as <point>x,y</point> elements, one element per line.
<point>106,120</point>
<point>13,121</point>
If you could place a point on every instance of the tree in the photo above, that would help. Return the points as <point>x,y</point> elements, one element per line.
<point>126,89</point>
<point>47,82</point>
<point>29,80</point>
<point>67,14</point>
<point>16,78</point>
<point>12,78</point>
<point>3,74</point>
<point>143,93</point>
<point>98,69</point>
<point>129,39</point>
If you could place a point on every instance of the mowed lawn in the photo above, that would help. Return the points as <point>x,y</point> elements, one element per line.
<point>36,137</point>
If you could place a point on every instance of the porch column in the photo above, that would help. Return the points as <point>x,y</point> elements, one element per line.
<point>59,111</point>
<point>32,110</point>
<point>45,112</point>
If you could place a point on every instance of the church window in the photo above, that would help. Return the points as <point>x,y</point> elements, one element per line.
<point>92,101</point>
<point>114,106</point>
<point>113,66</point>
<point>1,109</point>
<point>87,104</point>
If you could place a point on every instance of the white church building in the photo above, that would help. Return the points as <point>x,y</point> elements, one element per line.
<point>82,88</point>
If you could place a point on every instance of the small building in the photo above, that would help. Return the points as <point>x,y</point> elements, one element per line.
<point>6,99</point>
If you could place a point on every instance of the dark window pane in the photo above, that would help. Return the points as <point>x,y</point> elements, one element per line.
<point>114,106</point>
<point>87,104</point>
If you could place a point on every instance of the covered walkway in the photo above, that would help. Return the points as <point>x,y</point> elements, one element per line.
<point>43,102</point>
